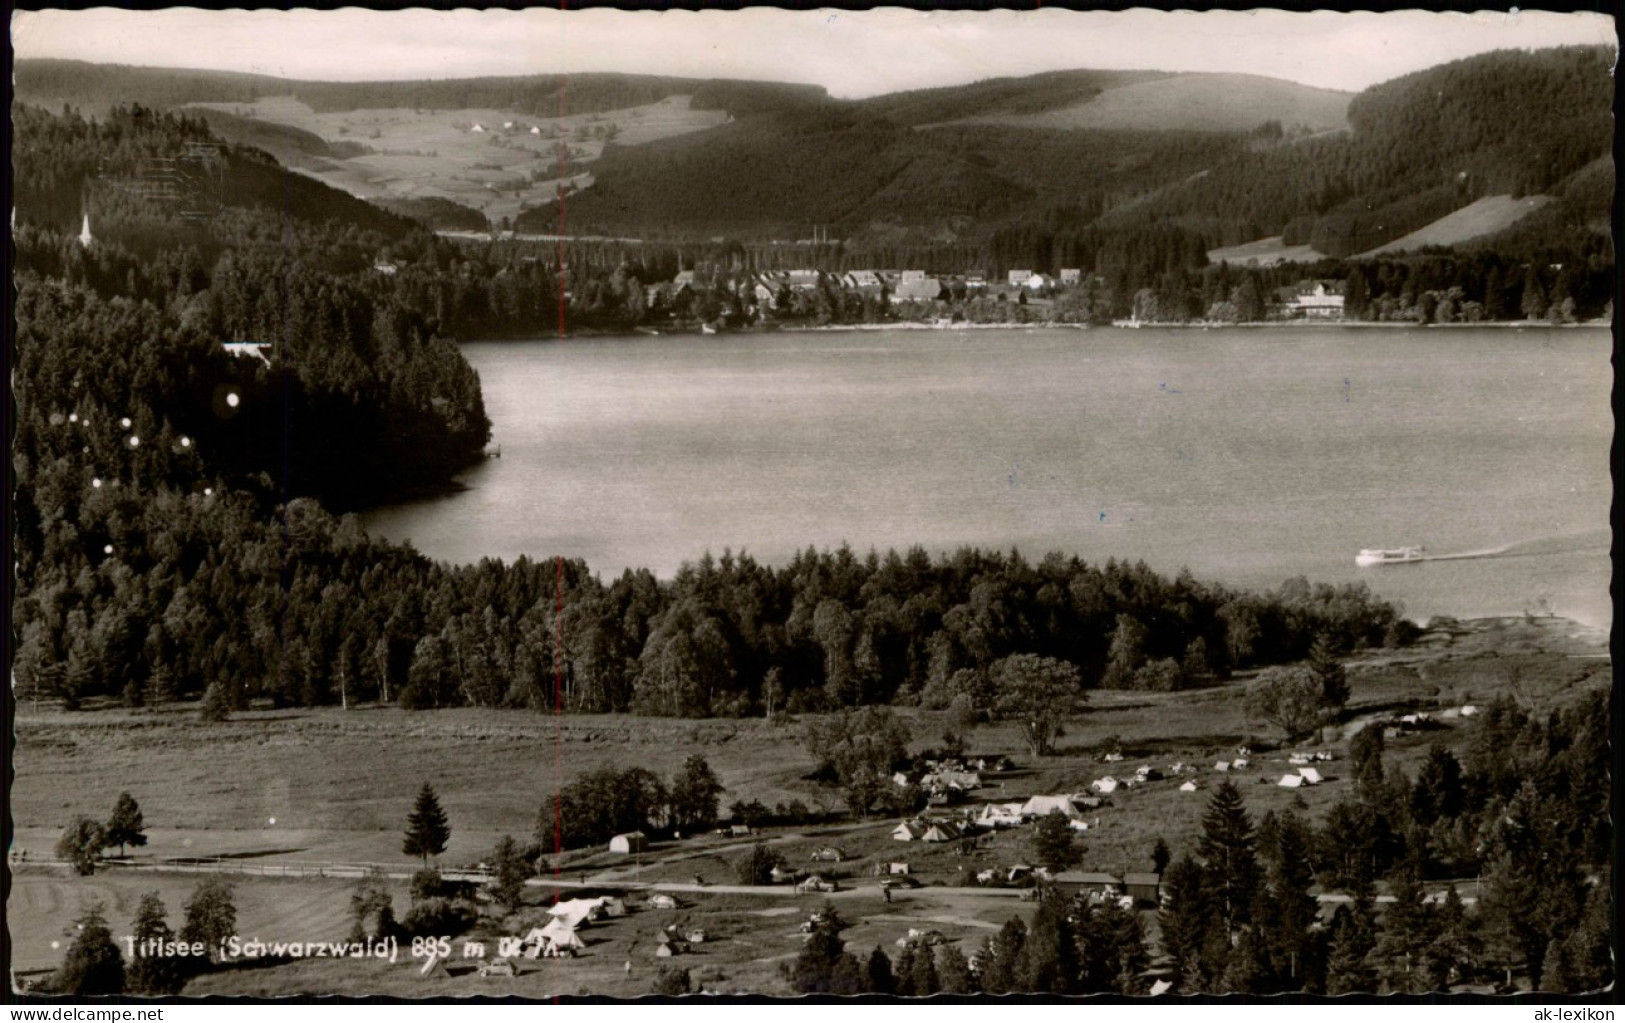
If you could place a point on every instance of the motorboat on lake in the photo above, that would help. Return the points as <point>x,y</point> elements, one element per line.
<point>1388,556</point>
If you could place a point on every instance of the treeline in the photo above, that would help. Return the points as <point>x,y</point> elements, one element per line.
<point>124,584</point>
<point>101,85</point>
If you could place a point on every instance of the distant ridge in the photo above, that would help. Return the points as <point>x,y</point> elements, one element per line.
<point>1192,102</point>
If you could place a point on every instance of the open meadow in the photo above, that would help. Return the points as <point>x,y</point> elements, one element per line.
<point>300,787</point>
<point>495,161</point>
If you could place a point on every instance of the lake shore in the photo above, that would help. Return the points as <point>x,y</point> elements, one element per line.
<point>589,333</point>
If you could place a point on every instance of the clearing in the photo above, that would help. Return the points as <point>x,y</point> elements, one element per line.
<point>1264,252</point>
<point>512,162</point>
<point>1486,216</point>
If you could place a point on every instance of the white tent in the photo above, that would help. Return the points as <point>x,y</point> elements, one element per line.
<point>1291,781</point>
<point>575,912</point>
<point>908,831</point>
<point>1043,806</point>
<point>1223,765</point>
<point>556,935</point>
<point>1189,786</point>
<point>1310,775</point>
<point>631,842</point>
<point>1106,785</point>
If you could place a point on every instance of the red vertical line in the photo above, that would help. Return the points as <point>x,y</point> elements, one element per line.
<point>558,723</point>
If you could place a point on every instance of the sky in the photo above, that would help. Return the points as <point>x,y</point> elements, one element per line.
<point>851,53</point>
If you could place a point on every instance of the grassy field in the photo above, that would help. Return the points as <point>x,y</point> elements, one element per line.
<point>1264,252</point>
<point>401,153</point>
<point>1486,216</point>
<point>323,785</point>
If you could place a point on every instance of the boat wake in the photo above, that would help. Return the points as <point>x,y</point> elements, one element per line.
<point>1540,547</point>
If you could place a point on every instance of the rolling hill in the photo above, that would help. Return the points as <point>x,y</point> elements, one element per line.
<point>1190,102</point>
<point>1224,158</point>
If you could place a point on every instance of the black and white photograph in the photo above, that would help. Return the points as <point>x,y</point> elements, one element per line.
<point>590,504</point>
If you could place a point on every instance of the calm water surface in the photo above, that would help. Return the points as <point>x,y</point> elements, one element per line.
<point>1247,455</point>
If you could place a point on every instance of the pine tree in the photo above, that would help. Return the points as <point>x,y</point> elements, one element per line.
<point>879,971</point>
<point>1365,759</point>
<point>953,971</point>
<point>216,705</point>
<point>997,961</point>
<point>1186,918</point>
<point>1409,930</point>
<point>904,969</point>
<point>211,914</point>
<point>1330,673</point>
<point>1160,857</point>
<point>125,826</point>
<point>1048,961</point>
<point>152,974</point>
<point>814,970</point>
<point>1347,963</point>
<point>1226,847</point>
<point>1053,843</point>
<point>1288,908</point>
<point>1455,952</point>
<point>93,964</point>
<point>1582,960</point>
<point>426,829</point>
<point>508,865</point>
<point>923,973</point>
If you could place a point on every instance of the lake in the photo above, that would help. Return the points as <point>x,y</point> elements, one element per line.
<point>1248,455</point>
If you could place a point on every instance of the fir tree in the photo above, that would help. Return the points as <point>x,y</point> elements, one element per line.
<point>216,705</point>
<point>1348,969</point>
<point>1053,843</point>
<point>1582,960</point>
<point>1328,670</point>
<point>1288,908</point>
<point>904,970</point>
<point>211,915</point>
<point>1048,961</point>
<point>152,974</point>
<point>880,978</point>
<point>997,960</point>
<point>509,868</point>
<point>1160,857</point>
<point>1409,930</point>
<point>93,964</point>
<point>1226,847</point>
<point>125,826</point>
<point>924,980</point>
<point>1186,917</point>
<point>953,971</point>
<point>1455,952</point>
<point>426,829</point>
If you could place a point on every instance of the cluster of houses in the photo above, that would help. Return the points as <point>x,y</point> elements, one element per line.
<point>769,288</point>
